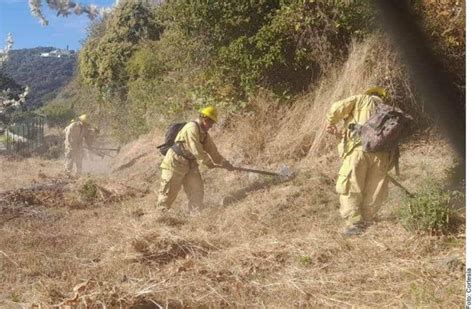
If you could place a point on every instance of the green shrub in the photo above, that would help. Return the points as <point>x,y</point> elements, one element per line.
<point>280,45</point>
<point>103,57</point>
<point>58,114</point>
<point>152,62</point>
<point>430,211</point>
<point>305,260</point>
<point>88,191</point>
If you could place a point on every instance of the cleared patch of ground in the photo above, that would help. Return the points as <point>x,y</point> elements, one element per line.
<point>277,246</point>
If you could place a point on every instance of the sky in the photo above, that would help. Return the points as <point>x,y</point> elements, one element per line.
<point>62,32</point>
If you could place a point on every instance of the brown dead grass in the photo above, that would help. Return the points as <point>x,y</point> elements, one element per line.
<point>279,246</point>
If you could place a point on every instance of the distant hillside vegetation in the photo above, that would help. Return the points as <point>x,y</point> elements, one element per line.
<point>7,83</point>
<point>44,75</point>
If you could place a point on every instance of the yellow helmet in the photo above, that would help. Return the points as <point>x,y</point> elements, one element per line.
<point>209,112</point>
<point>378,91</point>
<point>84,118</point>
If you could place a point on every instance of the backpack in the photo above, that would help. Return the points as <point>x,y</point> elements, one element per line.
<point>384,129</point>
<point>170,135</point>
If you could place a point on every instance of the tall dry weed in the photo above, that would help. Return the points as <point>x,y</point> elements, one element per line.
<point>274,132</point>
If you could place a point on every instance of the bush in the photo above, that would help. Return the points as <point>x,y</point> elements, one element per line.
<point>102,59</point>
<point>430,211</point>
<point>280,45</point>
<point>150,62</point>
<point>305,260</point>
<point>88,191</point>
<point>20,115</point>
<point>58,114</point>
<point>444,23</point>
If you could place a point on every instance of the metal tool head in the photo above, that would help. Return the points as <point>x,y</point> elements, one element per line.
<point>286,173</point>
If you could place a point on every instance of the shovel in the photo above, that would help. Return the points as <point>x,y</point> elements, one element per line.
<point>98,151</point>
<point>283,175</point>
<point>117,150</point>
<point>284,172</point>
<point>408,193</point>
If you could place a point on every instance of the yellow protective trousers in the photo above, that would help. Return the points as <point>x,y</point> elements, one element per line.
<point>363,185</point>
<point>184,174</point>
<point>73,156</point>
<point>75,133</point>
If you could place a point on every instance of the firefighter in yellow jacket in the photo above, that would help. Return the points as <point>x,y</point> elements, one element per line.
<point>193,147</point>
<point>362,182</point>
<point>76,133</point>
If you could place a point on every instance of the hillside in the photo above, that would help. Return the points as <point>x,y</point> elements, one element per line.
<point>277,245</point>
<point>272,69</point>
<point>45,76</point>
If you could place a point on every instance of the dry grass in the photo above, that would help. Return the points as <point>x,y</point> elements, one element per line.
<point>279,246</point>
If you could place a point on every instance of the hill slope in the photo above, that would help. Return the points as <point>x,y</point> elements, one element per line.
<point>44,75</point>
<point>278,245</point>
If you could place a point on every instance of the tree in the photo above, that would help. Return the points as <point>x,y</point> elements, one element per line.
<point>103,58</point>
<point>64,8</point>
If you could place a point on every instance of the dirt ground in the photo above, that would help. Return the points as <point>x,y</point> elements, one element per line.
<point>98,241</point>
<point>279,245</point>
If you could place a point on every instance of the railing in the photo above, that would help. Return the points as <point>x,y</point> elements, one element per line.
<point>25,136</point>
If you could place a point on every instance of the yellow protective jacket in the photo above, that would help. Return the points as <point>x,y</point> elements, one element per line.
<point>75,134</point>
<point>355,109</point>
<point>196,144</point>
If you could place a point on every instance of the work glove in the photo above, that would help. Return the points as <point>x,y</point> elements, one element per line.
<point>331,129</point>
<point>227,165</point>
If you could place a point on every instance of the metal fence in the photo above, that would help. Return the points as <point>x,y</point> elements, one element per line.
<point>25,136</point>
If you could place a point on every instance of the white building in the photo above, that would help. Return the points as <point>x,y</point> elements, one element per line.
<point>58,53</point>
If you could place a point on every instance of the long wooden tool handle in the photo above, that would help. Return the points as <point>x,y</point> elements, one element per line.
<point>243,169</point>
<point>400,186</point>
<point>110,149</point>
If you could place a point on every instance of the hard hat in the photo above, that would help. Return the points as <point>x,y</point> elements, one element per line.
<point>209,112</point>
<point>379,91</point>
<point>84,118</point>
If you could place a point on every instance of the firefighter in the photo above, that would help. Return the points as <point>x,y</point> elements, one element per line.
<point>362,182</point>
<point>76,133</point>
<point>193,146</point>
